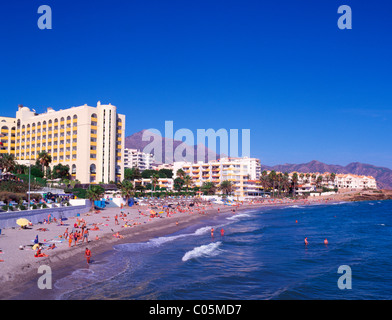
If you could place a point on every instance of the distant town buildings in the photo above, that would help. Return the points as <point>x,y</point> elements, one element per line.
<point>134,158</point>
<point>242,172</point>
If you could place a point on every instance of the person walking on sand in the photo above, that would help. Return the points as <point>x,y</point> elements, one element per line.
<point>116,220</point>
<point>85,235</point>
<point>87,254</point>
<point>65,235</point>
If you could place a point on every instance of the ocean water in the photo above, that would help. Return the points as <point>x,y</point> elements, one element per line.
<point>260,256</point>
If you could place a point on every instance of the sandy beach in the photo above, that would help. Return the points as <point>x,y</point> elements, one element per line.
<point>19,266</point>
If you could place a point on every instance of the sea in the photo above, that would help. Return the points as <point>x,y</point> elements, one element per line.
<point>260,256</point>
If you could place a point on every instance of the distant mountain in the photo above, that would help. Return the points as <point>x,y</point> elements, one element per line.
<point>382,175</point>
<point>135,141</point>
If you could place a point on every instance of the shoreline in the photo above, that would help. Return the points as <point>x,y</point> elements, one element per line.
<point>23,279</point>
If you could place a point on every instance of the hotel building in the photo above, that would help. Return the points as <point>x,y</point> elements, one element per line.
<point>244,173</point>
<point>90,140</point>
<point>137,159</point>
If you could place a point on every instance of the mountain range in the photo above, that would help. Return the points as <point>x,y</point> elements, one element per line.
<point>381,174</point>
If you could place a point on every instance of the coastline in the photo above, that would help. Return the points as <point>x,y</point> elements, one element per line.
<point>24,275</point>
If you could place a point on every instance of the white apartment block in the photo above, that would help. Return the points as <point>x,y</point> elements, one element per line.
<point>134,158</point>
<point>242,172</point>
<point>90,140</point>
<point>308,181</point>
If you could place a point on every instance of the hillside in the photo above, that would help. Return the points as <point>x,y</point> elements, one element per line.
<point>135,141</point>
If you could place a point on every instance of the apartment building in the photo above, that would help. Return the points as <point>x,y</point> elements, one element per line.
<point>90,140</point>
<point>134,158</point>
<point>242,172</point>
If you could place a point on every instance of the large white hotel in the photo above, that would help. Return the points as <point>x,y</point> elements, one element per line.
<point>88,139</point>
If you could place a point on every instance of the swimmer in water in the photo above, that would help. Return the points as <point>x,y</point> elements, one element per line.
<point>306,241</point>
<point>212,232</point>
<point>325,241</point>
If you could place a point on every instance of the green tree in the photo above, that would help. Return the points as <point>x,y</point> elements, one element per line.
<point>132,173</point>
<point>45,160</point>
<point>187,182</point>
<point>178,184</point>
<point>264,181</point>
<point>180,173</point>
<point>272,178</point>
<point>226,187</point>
<point>60,171</point>
<point>94,193</point>
<point>208,188</point>
<point>167,172</point>
<point>7,162</point>
<point>127,190</point>
<point>294,181</point>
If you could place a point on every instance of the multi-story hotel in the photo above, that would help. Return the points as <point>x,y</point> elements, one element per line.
<point>242,172</point>
<point>90,140</point>
<point>134,158</point>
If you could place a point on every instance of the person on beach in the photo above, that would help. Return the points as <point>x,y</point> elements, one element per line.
<point>116,220</point>
<point>65,235</point>
<point>87,254</point>
<point>85,235</point>
<point>70,240</point>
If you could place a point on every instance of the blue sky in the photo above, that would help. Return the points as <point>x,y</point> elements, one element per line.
<point>306,89</point>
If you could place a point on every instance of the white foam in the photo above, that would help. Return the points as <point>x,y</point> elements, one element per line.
<point>238,216</point>
<point>208,250</point>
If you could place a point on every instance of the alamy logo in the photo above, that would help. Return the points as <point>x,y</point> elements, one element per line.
<point>345,20</point>
<point>45,21</point>
<point>45,281</point>
<point>164,151</point>
<point>344,281</point>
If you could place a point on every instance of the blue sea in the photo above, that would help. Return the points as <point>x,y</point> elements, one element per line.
<point>261,255</point>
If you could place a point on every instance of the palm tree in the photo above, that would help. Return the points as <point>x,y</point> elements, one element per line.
<point>286,182</point>
<point>272,178</point>
<point>264,180</point>
<point>294,180</point>
<point>279,180</point>
<point>333,176</point>
<point>94,193</point>
<point>208,187</point>
<point>226,187</point>
<point>188,182</point>
<point>180,173</point>
<point>44,159</point>
<point>127,190</point>
<point>319,181</point>
<point>154,180</point>
<point>7,162</point>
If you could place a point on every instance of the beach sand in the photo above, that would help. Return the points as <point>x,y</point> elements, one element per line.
<point>19,268</point>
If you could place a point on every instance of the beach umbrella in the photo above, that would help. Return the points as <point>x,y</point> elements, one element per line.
<point>23,222</point>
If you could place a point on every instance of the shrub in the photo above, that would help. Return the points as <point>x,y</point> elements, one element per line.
<point>22,207</point>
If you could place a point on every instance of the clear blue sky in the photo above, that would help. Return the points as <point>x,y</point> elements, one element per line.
<point>282,69</point>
